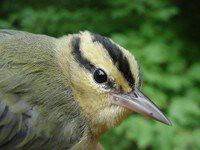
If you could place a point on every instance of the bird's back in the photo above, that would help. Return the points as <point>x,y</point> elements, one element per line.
<point>35,98</point>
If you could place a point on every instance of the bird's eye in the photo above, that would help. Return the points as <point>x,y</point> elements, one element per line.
<point>100,76</point>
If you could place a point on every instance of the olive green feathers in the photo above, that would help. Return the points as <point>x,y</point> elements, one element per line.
<point>37,107</point>
<point>63,93</point>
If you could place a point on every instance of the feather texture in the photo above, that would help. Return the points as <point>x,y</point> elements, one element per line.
<point>37,108</point>
<point>49,98</point>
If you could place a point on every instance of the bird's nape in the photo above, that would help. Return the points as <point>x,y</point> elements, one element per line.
<point>68,90</point>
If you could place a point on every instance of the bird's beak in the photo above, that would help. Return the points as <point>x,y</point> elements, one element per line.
<point>138,102</point>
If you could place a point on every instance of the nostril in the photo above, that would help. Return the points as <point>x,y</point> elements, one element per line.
<point>116,98</point>
<point>135,95</point>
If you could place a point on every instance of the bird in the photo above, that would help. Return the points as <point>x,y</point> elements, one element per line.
<point>65,92</point>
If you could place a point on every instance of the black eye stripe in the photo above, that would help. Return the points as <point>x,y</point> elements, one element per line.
<point>84,62</point>
<point>117,57</point>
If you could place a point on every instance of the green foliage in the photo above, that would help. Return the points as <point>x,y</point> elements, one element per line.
<point>156,33</point>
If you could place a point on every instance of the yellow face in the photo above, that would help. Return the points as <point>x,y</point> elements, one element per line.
<point>105,79</point>
<point>96,69</point>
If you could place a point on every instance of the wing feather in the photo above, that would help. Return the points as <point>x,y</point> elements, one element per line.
<point>32,94</point>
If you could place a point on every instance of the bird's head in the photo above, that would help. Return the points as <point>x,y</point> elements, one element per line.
<point>106,82</point>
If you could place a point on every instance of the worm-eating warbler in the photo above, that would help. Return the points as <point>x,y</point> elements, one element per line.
<point>63,93</point>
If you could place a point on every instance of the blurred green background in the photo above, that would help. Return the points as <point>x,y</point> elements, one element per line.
<point>164,35</point>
